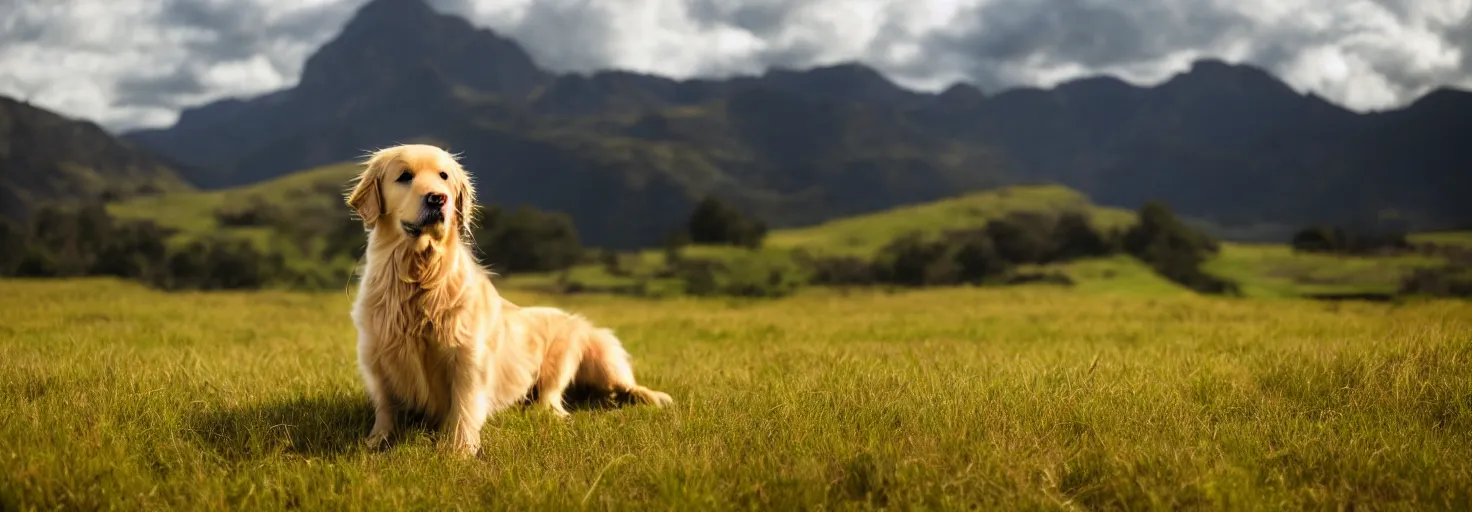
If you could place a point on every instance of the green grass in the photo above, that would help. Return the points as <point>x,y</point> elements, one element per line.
<point>863,234</point>
<point>1274,270</point>
<point>1024,398</point>
<point>193,213</point>
<point>1452,238</point>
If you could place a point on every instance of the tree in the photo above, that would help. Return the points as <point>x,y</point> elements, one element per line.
<point>134,250</point>
<point>1318,239</point>
<point>715,222</point>
<point>1175,250</point>
<point>528,240</point>
<point>1074,237</point>
<point>976,257</point>
<point>1023,237</point>
<point>12,246</point>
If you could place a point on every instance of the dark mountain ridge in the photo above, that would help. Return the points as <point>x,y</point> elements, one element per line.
<point>1224,142</point>
<point>46,157</point>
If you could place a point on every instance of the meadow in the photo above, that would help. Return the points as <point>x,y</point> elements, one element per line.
<point>1031,397</point>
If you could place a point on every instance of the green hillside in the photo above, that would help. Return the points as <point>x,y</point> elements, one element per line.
<point>316,189</point>
<point>863,234</point>
<point>1264,270</point>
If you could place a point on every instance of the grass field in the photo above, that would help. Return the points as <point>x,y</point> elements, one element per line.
<point>1020,398</point>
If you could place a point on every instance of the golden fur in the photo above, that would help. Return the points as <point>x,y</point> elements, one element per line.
<point>434,335</point>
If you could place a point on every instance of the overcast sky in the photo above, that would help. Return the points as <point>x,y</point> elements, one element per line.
<point>132,63</point>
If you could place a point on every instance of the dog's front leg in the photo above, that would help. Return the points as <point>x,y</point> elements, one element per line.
<point>469,405</point>
<point>383,419</point>
<point>378,392</point>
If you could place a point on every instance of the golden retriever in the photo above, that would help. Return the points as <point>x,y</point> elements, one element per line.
<point>434,335</point>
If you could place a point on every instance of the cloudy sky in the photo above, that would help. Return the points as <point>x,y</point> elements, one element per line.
<point>134,63</point>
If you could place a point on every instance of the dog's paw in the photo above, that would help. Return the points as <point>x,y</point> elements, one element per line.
<point>660,399</point>
<point>376,439</point>
<point>652,397</point>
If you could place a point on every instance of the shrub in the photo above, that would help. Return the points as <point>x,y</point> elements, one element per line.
<point>84,241</point>
<point>747,275</point>
<point>1074,237</point>
<point>1445,281</point>
<point>221,263</point>
<point>527,240</point>
<point>955,258</point>
<point>911,260</point>
<point>976,256</point>
<point>12,246</point>
<point>343,236</point>
<point>1334,239</point>
<point>837,270</point>
<point>1175,250</point>
<point>716,223</point>
<point>1318,239</point>
<point>1024,237</point>
<point>133,250</point>
<point>673,245</point>
<point>612,263</point>
<point>254,212</point>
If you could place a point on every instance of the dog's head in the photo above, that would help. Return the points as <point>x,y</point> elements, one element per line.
<point>413,191</point>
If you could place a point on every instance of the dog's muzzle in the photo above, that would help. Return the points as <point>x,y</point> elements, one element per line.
<point>430,214</point>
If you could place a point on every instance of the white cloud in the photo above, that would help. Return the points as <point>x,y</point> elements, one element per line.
<point>130,63</point>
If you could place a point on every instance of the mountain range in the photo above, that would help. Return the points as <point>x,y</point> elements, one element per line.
<point>46,157</point>
<point>629,154</point>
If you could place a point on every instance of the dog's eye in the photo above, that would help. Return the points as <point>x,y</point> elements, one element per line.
<point>444,176</point>
<point>406,177</point>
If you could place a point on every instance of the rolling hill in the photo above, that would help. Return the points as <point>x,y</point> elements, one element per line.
<point>1264,269</point>
<point>46,157</point>
<point>627,154</point>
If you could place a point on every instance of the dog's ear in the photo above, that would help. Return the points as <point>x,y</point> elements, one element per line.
<point>365,200</point>
<point>464,200</point>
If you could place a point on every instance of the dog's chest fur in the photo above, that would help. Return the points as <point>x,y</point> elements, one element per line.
<point>415,354</point>
<point>418,344</point>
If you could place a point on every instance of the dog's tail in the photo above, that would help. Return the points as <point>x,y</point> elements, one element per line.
<point>606,365</point>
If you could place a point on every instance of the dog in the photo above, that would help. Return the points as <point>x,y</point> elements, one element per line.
<point>434,335</point>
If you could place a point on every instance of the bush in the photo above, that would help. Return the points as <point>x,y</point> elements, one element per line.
<point>716,223</point>
<point>748,275</point>
<point>527,240</point>
<point>957,257</point>
<point>976,256</point>
<point>973,256</point>
<point>1333,239</point>
<point>839,270</point>
<point>12,246</point>
<point>673,245</point>
<point>84,241</point>
<point>1024,237</point>
<point>1446,281</point>
<point>220,263</point>
<point>343,236</point>
<point>911,260</point>
<point>255,212</point>
<point>1318,239</point>
<point>134,250</point>
<point>1175,250</point>
<point>1074,237</point>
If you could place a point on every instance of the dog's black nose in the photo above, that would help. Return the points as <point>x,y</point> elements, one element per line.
<point>434,199</point>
